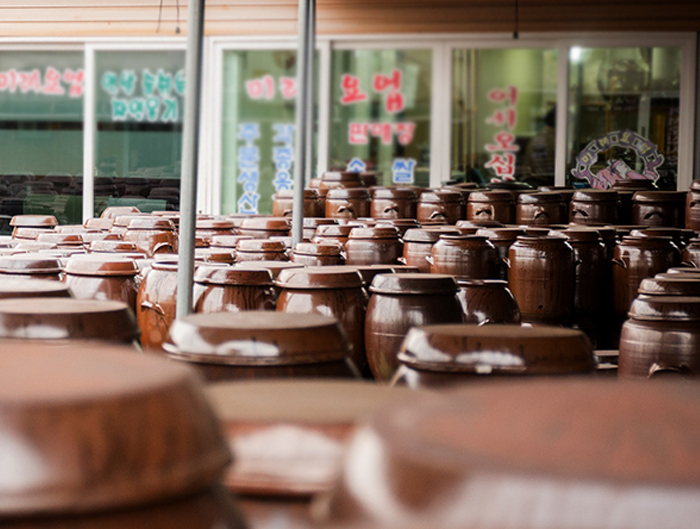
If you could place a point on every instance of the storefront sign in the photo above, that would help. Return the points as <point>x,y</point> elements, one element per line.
<point>502,159</point>
<point>646,152</point>
<point>283,155</point>
<point>249,167</point>
<point>50,82</point>
<point>359,132</point>
<point>265,88</point>
<point>402,170</point>
<point>357,166</point>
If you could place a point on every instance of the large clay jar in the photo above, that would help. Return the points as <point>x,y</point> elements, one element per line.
<point>541,277</point>
<point>327,253</point>
<point>566,192</point>
<point>227,289</point>
<point>265,227</point>
<point>261,250</point>
<point>464,257</point>
<point>331,291</point>
<point>692,207</point>
<point>418,245</point>
<point>541,209</point>
<point>367,246</point>
<point>155,304</point>
<point>661,337</point>
<point>283,203</point>
<point>311,224</point>
<point>488,301</point>
<point>30,266</point>
<point>399,302</point>
<point>594,207</point>
<point>659,208</point>
<point>152,235</point>
<point>344,179</point>
<point>394,203</point>
<point>502,239</point>
<point>635,259</point>
<point>208,228</point>
<point>334,233</point>
<point>403,225</point>
<point>347,203</point>
<point>102,277</point>
<point>440,205</point>
<point>496,206</point>
<point>63,402</point>
<point>436,356</point>
<point>262,344</point>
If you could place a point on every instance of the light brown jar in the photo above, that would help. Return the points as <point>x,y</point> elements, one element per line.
<point>399,302</point>
<point>464,257</point>
<point>659,208</point>
<point>333,233</point>
<point>156,303</point>
<point>30,266</point>
<point>152,235</point>
<point>394,203</point>
<point>335,291</point>
<point>440,205</point>
<point>318,254</point>
<point>418,245</point>
<point>226,289</point>
<point>265,227</point>
<point>594,207</point>
<point>208,228</point>
<point>692,206</point>
<point>497,205</point>
<point>261,250</point>
<point>367,246</point>
<point>541,276</point>
<point>488,301</point>
<point>102,278</point>
<point>347,203</point>
<point>541,209</point>
<point>283,203</point>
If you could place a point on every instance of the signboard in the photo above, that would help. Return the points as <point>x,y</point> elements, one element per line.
<point>503,148</point>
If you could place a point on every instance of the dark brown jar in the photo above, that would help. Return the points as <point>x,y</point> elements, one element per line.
<point>262,344</point>
<point>659,208</point>
<point>283,203</point>
<point>488,301</point>
<point>436,356</point>
<point>228,289</point>
<point>661,337</point>
<point>156,303</point>
<point>594,207</point>
<point>676,235</point>
<point>347,203</point>
<point>344,179</point>
<point>394,203</point>
<point>265,227</point>
<point>333,233</point>
<point>418,245</point>
<point>541,276</point>
<point>403,225</point>
<point>502,239</point>
<point>692,206</point>
<point>464,257</point>
<point>440,205</point>
<point>540,209</point>
<point>208,228</point>
<point>335,291</point>
<point>261,250</point>
<point>380,245</point>
<point>102,278</point>
<point>566,192</point>
<point>691,253</point>
<point>635,259</point>
<point>399,302</point>
<point>152,235</point>
<point>30,266</point>
<point>496,206</point>
<point>318,254</point>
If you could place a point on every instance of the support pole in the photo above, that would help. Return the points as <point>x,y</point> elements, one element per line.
<point>311,91</point>
<point>190,148</point>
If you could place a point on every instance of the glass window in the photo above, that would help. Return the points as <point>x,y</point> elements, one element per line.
<point>624,105</point>
<point>41,134</point>
<point>503,115</point>
<point>138,141</point>
<point>380,112</point>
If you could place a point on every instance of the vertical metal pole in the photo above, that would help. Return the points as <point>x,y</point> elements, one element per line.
<point>190,145</point>
<point>310,92</point>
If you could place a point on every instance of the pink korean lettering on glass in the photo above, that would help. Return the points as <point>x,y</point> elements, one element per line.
<point>503,164</point>
<point>52,82</point>
<point>505,141</point>
<point>405,131</point>
<point>357,133</point>
<point>352,93</point>
<point>509,95</point>
<point>507,116</point>
<point>383,131</point>
<point>288,87</point>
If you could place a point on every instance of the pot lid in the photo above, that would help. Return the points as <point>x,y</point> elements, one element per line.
<point>61,239</point>
<point>498,349</point>
<point>327,248</point>
<point>151,223</point>
<point>341,176</point>
<point>377,232</point>
<point>333,230</point>
<point>659,196</point>
<point>214,255</point>
<point>317,222</point>
<point>501,234</point>
<point>275,267</point>
<point>89,238</point>
<point>491,196</point>
<point>261,245</point>
<point>101,266</point>
<point>115,211</point>
<point>582,235</point>
<point>99,224</point>
<point>169,265</point>
<point>29,234</point>
<point>437,196</point>
<point>34,221</point>
<point>75,228</point>
<point>63,319</point>
<point>412,283</point>
<point>684,285</point>
<point>348,193</point>
<point>214,224</point>
<point>595,195</point>
<point>227,241</point>
<point>463,241</point>
<point>320,277</point>
<point>687,270</point>
<point>542,197</point>
<point>665,308</point>
<point>394,193</point>
<point>63,403</point>
<point>427,235</point>
<point>258,338</point>
<point>26,263</point>
<point>33,288</point>
<point>115,246</point>
<point>309,194</point>
<point>226,275</point>
<point>122,221</point>
<point>267,223</point>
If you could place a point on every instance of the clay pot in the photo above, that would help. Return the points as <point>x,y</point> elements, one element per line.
<point>371,178</point>
<point>342,179</point>
<point>335,291</point>
<point>594,207</point>
<point>318,254</point>
<point>691,253</point>
<point>33,288</point>
<point>659,208</point>
<point>227,241</point>
<point>265,227</point>
<point>283,203</point>
<point>677,235</point>
<point>261,250</point>
<point>443,355</point>
<point>394,203</point>
<point>464,257</point>
<point>487,301</point>
<point>152,235</point>
<point>333,233</point>
<point>541,209</point>
<point>498,206</point>
<point>566,192</point>
<point>541,276</point>
<point>214,256</point>
<point>347,203</point>
<point>102,278</point>
<point>275,267</point>
<point>311,224</point>
<point>262,344</point>
<point>30,266</point>
<point>156,303</point>
<point>692,206</point>
<point>440,205</point>
<point>502,239</point>
<point>661,337</point>
<point>418,245</point>
<point>402,301</point>
<point>402,225</point>
<point>380,245</point>
<point>208,228</point>
<point>227,289</point>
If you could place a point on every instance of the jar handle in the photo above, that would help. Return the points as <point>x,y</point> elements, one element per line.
<point>392,213</point>
<point>437,214</point>
<point>401,260</point>
<point>653,214</point>
<point>145,304</point>
<point>506,260</point>
<point>287,213</point>
<point>488,210</point>
<point>694,203</point>
<point>541,213</point>
<point>620,263</point>
<point>346,209</point>
<point>579,213</point>
<point>657,368</point>
<point>158,247</point>
<point>429,258</point>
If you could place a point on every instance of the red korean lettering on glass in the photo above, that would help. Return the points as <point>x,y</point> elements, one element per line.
<point>382,82</point>
<point>498,95</point>
<point>404,131</point>
<point>357,133</point>
<point>352,93</point>
<point>507,116</point>
<point>30,81</point>
<point>52,82</point>
<point>261,88</point>
<point>288,87</point>
<point>503,164</point>
<point>505,141</point>
<point>383,131</point>
<point>8,81</point>
<point>74,78</point>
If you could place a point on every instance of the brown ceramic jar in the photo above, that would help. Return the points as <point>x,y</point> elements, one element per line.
<point>464,257</point>
<point>566,192</point>
<point>156,303</point>
<point>692,206</point>
<point>333,233</point>
<point>331,291</point>
<point>440,205</point>
<point>594,207</point>
<point>327,253</point>
<point>403,225</point>
<point>262,344</point>
<point>488,301</point>
<point>394,203</point>
<point>208,228</point>
<point>418,245</point>
<point>152,235</point>
<point>227,289</point>
<point>399,302</point>
<point>496,206</point>
<point>347,203</point>
<point>30,266</point>
<point>541,276</point>
<point>311,224</point>
<point>659,208</point>
<point>283,203</point>
<point>261,250</point>
<point>275,267</point>
<point>214,256</point>
<point>367,246</point>
<point>502,239</point>
<point>691,253</point>
<point>265,227</point>
<point>102,278</point>
<point>540,209</point>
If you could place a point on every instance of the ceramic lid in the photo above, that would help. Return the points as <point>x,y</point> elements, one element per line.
<point>317,222</point>
<point>501,234</point>
<point>114,211</point>
<point>214,255</point>
<point>643,240</point>
<point>214,224</point>
<point>227,241</point>
<point>595,195</point>
<point>402,224</point>
<point>63,319</point>
<point>267,223</point>
<point>582,235</point>
<point>683,285</point>
<point>320,277</point>
<point>333,230</point>
<point>695,185</point>
<point>115,245</point>
<point>394,193</point>
<point>30,234</point>
<point>665,308</point>
<point>275,267</point>
<point>26,263</point>
<point>427,235</point>
<point>683,270</point>
<point>463,241</point>
<point>61,239</point>
<point>327,248</point>
<point>151,223</point>
<point>75,228</point>
<point>659,196</point>
<point>412,283</point>
<point>348,193</point>
<point>86,425</point>
<point>540,198</point>
<point>34,221</point>
<point>101,266</point>
<point>33,288</point>
<point>498,349</point>
<point>261,245</point>
<point>491,196</point>
<point>258,338</point>
<point>122,221</point>
<point>436,196</point>
<point>99,224</point>
<point>378,232</point>
<point>225,275</point>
